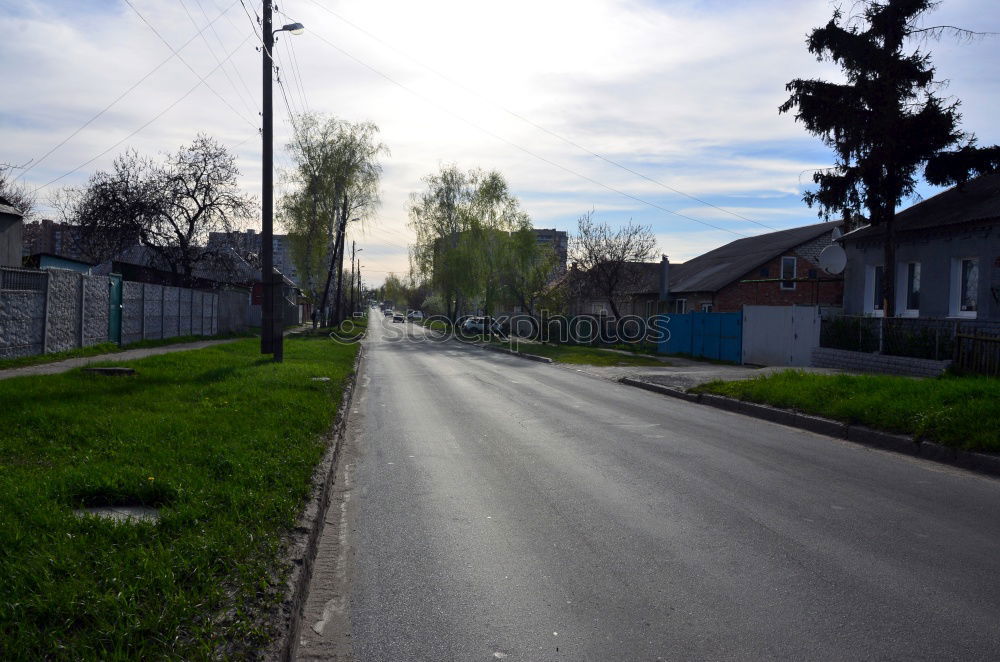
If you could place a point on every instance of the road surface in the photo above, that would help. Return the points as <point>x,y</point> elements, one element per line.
<point>493,508</point>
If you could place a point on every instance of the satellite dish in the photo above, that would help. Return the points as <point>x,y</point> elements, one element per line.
<point>833,259</point>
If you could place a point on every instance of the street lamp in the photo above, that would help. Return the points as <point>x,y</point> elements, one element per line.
<point>271,337</point>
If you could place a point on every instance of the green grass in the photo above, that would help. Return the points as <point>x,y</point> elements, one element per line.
<point>107,348</point>
<point>222,439</point>
<point>583,355</point>
<point>963,412</point>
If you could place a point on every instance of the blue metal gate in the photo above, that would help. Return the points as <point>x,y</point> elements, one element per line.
<point>708,335</point>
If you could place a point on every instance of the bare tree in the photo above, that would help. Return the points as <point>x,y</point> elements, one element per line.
<point>169,208</point>
<point>605,255</point>
<point>18,195</point>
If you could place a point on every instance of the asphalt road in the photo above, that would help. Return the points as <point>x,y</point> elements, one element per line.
<point>494,508</point>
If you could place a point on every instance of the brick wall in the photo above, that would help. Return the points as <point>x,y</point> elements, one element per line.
<point>733,296</point>
<point>843,359</point>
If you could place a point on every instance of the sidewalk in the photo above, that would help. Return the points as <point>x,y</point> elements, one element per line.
<point>64,366</point>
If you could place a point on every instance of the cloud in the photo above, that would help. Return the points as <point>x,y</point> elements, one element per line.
<point>684,92</point>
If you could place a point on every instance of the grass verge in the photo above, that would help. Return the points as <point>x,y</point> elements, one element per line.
<point>221,440</point>
<point>108,348</point>
<point>963,412</point>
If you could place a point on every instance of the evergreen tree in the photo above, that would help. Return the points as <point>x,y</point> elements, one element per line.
<point>885,123</point>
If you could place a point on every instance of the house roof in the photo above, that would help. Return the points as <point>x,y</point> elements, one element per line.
<point>715,269</point>
<point>976,200</point>
<point>7,208</point>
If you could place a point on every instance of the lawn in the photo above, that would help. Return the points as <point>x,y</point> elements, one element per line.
<point>583,355</point>
<point>221,440</point>
<point>107,348</point>
<point>958,411</point>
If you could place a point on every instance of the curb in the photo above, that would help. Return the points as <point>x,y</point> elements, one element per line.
<point>303,542</point>
<point>514,352</point>
<point>859,434</point>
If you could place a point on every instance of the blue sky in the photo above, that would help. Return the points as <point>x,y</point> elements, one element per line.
<point>684,92</point>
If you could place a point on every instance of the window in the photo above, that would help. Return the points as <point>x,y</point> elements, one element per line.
<point>680,306</point>
<point>877,301</point>
<point>706,307</point>
<point>873,290</point>
<point>787,271</point>
<point>912,291</point>
<point>964,286</point>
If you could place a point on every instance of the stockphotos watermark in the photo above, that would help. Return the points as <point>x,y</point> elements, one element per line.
<point>577,330</point>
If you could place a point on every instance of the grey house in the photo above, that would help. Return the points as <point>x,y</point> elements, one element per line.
<point>947,257</point>
<point>11,233</point>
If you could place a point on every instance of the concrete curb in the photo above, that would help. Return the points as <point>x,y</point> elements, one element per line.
<point>513,352</point>
<point>300,552</point>
<point>859,434</point>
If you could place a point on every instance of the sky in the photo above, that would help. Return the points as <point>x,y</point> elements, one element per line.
<point>663,113</point>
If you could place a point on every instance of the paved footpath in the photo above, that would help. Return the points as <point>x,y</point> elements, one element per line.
<point>129,354</point>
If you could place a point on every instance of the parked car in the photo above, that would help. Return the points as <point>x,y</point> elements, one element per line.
<point>398,317</point>
<point>474,325</point>
<point>388,312</point>
<point>415,316</point>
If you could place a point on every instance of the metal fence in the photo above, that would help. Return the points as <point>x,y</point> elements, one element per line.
<point>973,345</point>
<point>23,280</point>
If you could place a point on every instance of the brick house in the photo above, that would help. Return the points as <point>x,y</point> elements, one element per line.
<point>752,271</point>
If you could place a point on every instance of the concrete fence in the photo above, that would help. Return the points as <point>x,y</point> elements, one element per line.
<point>55,310</point>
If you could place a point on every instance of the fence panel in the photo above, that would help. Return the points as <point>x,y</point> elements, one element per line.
<point>708,335</point>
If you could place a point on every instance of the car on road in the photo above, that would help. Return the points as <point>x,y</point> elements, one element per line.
<point>388,312</point>
<point>398,318</point>
<point>474,325</point>
<point>415,316</point>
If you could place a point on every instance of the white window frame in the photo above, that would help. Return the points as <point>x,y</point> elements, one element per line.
<point>785,285</point>
<point>680,306</point>
<point>706,306</point>
<point>903,289</point>
<point>955,293</point>
<point>869,302</point>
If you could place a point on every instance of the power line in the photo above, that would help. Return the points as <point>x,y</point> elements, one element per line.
<point>154,118</point>
<point>534,124</point>
<point>202,79</point>
<point>215,57</point>
<point>125,93</point>
<point>523,149</point>
<point>239,74</point>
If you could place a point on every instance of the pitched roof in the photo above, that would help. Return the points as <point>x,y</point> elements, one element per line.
<point>7,208</point>
<point>717,268</point>
<point>976,200</point>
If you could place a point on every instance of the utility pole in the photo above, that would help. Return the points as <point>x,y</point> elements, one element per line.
<point>271,338</point>
<point>352,276</point>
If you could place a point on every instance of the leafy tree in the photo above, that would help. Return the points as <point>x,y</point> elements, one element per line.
<point>604,256</point>
<point>170,208</point>
<point>885,123</point>
<point>336,182</point>
<point>463,221</point>
<point>529,270</point>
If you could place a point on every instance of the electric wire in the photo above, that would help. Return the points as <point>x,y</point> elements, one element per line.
<point>200,77</point>
<point>519,147</point>
<point>534,124</point>
<point>123,94</point>
<point>153,119</point>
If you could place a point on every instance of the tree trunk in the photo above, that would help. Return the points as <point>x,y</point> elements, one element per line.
<point>338,244</point>
<point>889,265</point>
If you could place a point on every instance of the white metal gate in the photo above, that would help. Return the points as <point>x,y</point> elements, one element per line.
<point>780,335</point>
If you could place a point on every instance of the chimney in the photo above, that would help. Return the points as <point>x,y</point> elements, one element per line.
<point>664,278</point>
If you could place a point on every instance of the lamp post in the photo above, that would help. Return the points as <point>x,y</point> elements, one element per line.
<point>271,338</point>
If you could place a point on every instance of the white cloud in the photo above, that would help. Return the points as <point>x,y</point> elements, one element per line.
<point>685,92</point>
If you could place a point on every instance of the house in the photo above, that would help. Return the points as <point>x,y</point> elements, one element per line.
<point>11,233</point>
<point>947,257</point>
<point>773,269</point>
